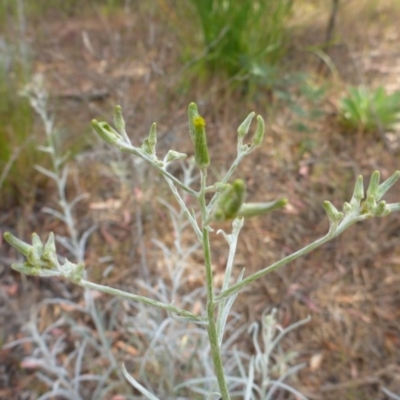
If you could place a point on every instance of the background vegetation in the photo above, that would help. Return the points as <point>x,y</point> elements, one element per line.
<point>330,98</point>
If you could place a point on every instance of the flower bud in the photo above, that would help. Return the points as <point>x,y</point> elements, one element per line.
<point>37,243</point>
<point>347,208</point>
<point>50,253</point>
<point>248,210</point>
<point>105,131</point>
<point>19,245</point>
<point>260,131</point>
<point>385,186</point>
<point>119,121</point>
<point>192,113</point>
<point>231,201</point>
<point>381,210</point>
<point>334,215</point>
<point>373,184</point>
<point>245,125</point>
<point>202,157</point>
<point>149,144</point>
<point>153,135</point>
<point>173,155</point>
<point>369,204</point>
<point>358,193</point>
<point>26,268</point>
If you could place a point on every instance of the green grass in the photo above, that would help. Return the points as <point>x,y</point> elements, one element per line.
<point>368,111</point>
<point>240,38</point>
<point>17,145</point>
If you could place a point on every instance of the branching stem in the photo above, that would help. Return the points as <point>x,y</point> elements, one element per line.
<point>211,327</point>
<point>140,299</point>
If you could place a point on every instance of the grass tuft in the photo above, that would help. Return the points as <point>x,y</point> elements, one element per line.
<point>369,111</point>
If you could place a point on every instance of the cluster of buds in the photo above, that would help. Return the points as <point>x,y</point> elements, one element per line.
<point>360,207</point>
<point>42,260</point>
<point>118,137</point>
<point>258,135</point>
<point>231,199</point>
<point>198,135</point>
<point>230,202</point>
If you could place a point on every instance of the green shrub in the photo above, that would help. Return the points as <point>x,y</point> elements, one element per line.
<point>241,37</point>
<point>369,111</point>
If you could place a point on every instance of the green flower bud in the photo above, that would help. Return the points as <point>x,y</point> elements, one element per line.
<point>334,215</point>
<point>373,184</point>
<point>50,246</point>
<point>153,135</point>
<point>385,186</point>
<point>245,125</point>
<point>37,243</point>
<point>19,245</point>
<point>149,144</point>
<point>119,121</point>
<point>75,272</point>
<point>202,157</point>
<point>50,253</point>
<point>369,204</point>
<point>105,131</point>
<point>26,268</point>
<point>347,208</point>
<point>192,114</point>
<point>146,147</point>
<point>381,210</point>
<point>173,155</point>
<point>358,193</point>
<point>34,257</point>
<point>248,210</point>
<point>231,201</point>
<point>260,131</point>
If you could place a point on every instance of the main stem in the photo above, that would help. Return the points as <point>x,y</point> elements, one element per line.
<point>211,327</point>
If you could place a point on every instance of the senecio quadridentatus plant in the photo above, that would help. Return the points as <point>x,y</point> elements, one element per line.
<point>226,203</point>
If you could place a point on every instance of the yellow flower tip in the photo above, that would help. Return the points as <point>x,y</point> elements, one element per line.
<point>199,122</point>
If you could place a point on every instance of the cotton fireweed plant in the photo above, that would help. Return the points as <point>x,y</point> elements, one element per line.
<point>227,202</point>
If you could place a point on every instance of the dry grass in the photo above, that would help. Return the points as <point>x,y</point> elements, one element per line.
<point>350,286</point>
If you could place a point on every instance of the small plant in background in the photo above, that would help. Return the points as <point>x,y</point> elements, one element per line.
<point>368,111</point>
<point>66,379</point>
<point>58,172</point>
<point>17,142</point>
<point>241,38</point>
<point>216,202</point>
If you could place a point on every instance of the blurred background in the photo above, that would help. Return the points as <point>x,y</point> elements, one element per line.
<point>324,74</point>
